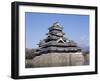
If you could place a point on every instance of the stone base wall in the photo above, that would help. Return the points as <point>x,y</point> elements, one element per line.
<point>58,59</point>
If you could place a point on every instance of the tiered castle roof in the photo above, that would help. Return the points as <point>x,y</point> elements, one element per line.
<point>56,42</point>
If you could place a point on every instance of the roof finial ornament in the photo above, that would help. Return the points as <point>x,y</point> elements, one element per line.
<point>56,24</point>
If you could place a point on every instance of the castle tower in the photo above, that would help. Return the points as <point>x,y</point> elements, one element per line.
<point>57,50</point>
<point>56,42</point>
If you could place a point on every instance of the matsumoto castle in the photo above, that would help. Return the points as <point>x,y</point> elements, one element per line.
<point>56,42</point>
<point>57,50</point>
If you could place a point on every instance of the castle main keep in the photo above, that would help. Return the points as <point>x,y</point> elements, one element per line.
<point>57,50</point>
